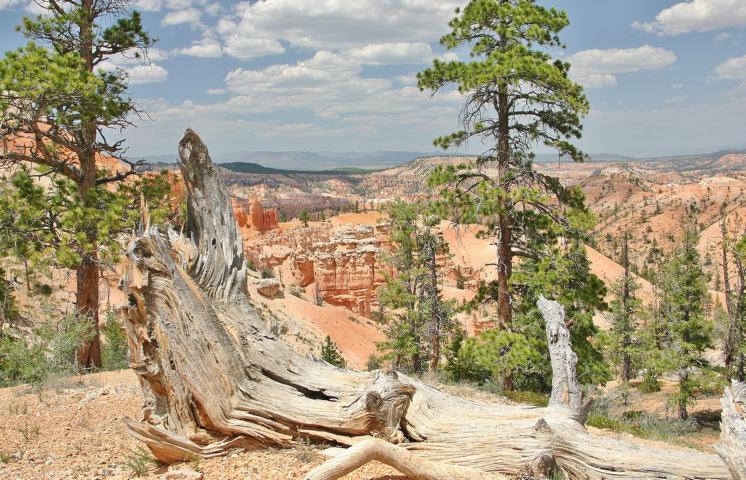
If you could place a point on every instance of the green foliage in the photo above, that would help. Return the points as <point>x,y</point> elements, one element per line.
<point>48,225</point>
<point>304,216</point>
<point>520,352</point>
<point>114,349</point>
<point>373,363</point>
<point>58,102</point>
<point>331,354</point>
<point>640,424</point>
<point>8,309</point>
<point>622,342</point>
<point>681,330</point>
<point>140,462</point>
<point>50,352</point>
<point>419,321</point>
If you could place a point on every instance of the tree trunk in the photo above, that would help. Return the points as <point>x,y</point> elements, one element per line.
<point>434,308</point>
<point>87,273</point>
<point>729,348</point>
<point>215,379</point>
<point>683,379</point>
<point>89,354</point>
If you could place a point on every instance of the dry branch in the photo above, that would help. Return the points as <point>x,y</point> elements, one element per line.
<point>215,379</point>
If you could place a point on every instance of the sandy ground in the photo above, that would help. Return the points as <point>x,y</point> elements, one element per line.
<point>74,430</point>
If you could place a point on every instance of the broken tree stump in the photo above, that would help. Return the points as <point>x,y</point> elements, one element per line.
<point>215,379</point>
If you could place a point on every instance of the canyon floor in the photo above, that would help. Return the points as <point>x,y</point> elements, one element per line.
<point>74,429</point>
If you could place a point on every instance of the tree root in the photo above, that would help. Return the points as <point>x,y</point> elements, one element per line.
<point>414,467</point>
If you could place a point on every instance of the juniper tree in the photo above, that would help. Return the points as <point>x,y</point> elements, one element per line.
<point>56,105</point>
<point>517,96</point>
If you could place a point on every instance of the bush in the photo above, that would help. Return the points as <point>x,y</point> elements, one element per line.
<point>114,350</point>
<point>374,362</point>
<point>139,462</point>
<point>331,354</point>
<point>640,424</point>
<point>50,352</point>
<point>650,383</point>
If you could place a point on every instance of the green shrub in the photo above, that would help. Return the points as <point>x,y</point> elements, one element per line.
<point>139,462</point>
<point>114,350</point>
<point>650,383</point>
<point>331,354</point>
<point>50,352</point>
<point>640,424</point>
<point>374,362</point>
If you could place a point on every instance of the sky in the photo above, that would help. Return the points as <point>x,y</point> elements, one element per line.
<point>662,76</point>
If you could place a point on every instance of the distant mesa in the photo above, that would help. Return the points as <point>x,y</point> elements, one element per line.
<point>254,216</point>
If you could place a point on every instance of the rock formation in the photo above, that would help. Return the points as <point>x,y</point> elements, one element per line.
<point>255,217</point>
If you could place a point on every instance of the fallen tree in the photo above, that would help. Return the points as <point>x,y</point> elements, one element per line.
<point>215,379</point>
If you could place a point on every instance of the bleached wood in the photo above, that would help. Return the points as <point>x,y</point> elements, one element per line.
<point>215,379</point>
<point>732,445</point>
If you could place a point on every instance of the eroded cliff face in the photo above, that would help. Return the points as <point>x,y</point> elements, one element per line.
<point>345,264</point>
<point>340,265</point>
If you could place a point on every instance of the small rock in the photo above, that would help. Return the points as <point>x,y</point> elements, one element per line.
<point>268,287</point>
<point>182,475</point>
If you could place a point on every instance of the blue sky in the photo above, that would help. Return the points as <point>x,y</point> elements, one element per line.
<point>663,77</point>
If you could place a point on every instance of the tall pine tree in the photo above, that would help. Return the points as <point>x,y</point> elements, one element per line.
<point>517,96</point>
<point>685,327</point>
<point>56,105</point>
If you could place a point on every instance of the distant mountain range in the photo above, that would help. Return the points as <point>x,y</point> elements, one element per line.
<point>356,162</point>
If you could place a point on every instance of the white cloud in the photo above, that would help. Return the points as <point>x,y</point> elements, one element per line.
<point>205,48</point>
<point>599,68</point>
<point>245,48</point>
<point>177,17</point>
<point>722,36</point>
<point>696,16</point>
<point>678,86</point>
<point>215,91</point>
<point>7,4</point>
<point>332,24</point>
<point>148,5</point>
<point>139,70</point>
<point>151,73</point>
<point>731,69</point>
<point>401,53</point>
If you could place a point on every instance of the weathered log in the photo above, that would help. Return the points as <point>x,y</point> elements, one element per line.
<point>566,390</point>
<point>732,446</point>
<point>215,379</point>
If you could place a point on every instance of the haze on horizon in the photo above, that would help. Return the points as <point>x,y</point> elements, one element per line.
<point>663,78</point>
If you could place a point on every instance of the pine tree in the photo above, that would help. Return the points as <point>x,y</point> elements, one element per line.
<point>420,320</point>
<point>516,97</point>
<point>331,354</point>
<point>304,216</point>
<point>58,104</point>
<point>624,310</point>
<point>686,330</point>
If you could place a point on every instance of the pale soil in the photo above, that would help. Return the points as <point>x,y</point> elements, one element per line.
<point>706,411</point>
<point>75,431</point>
